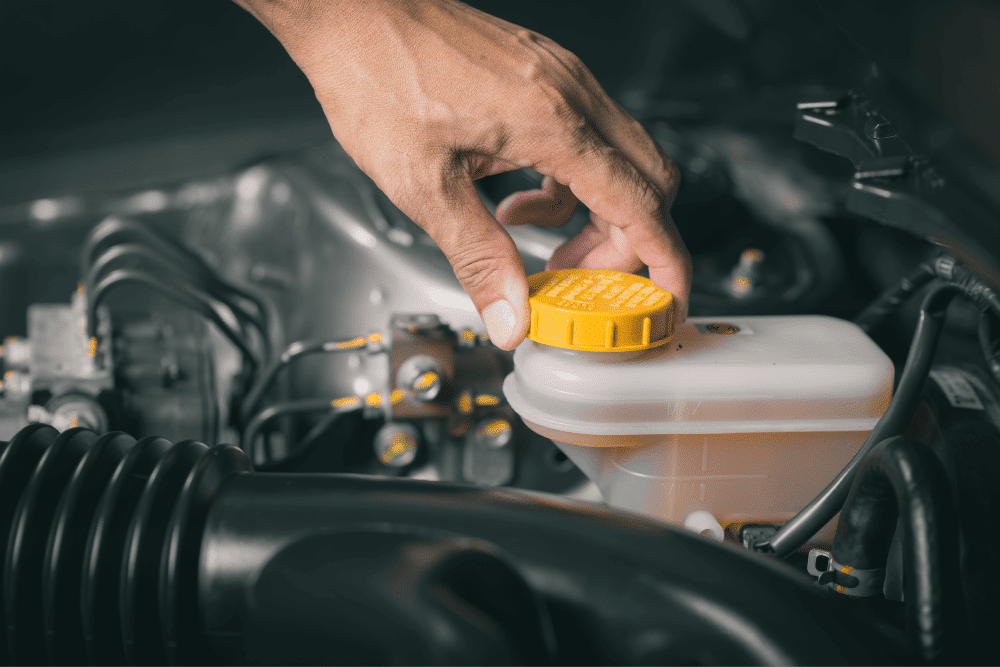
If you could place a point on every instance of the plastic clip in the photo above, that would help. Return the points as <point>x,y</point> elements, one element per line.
<point>844,579</point>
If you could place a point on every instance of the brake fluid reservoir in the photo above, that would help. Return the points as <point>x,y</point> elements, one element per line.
<point>722,421</point>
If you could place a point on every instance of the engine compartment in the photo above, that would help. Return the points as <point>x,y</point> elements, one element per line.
<point>321,465</point>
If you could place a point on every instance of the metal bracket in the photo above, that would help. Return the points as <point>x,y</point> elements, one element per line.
<point>844,579</point>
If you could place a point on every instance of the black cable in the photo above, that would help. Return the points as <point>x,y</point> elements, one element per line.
<point>261,419</point>
<point>180,293</point>
<point>987,343</point>
<point>897,416</point>
<point>125,253</point>
<point>116,230</point>
<point>976,289</point>
<point>960,279</point>
<point>891,299</point>
<point>292,352</point>
<point>311,439</point>
<point>901,478</point>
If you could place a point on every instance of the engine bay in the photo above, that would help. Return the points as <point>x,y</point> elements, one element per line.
<point>253,418</point>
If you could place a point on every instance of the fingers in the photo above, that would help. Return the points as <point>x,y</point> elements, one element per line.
<point>551,206</point>
<point>622,197</point>
<point>598,246</point>
<point>619,129</point>
<point>485,260</point>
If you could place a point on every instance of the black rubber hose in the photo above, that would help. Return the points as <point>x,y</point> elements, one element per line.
<point>129,255</point>
<point>100,540</point>
<point>892,298</point>
<point>190,561</point>
<point>902,478</point>
<point>897,416</point>
<point>969,283</point>
<point>987,343</point>
<point>180,293</point>
<point>116,230</point>
<point>292,352</point>
<point>272,412</point>
<point>976,289</point>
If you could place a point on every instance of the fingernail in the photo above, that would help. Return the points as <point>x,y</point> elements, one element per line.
<point>500,322</point>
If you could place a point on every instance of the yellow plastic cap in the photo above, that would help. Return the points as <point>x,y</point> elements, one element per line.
<point>596,310</point>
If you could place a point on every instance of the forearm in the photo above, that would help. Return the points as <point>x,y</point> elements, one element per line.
<point>429,95</point>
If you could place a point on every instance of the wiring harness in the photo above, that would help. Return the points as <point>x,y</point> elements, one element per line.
<point>947,279</point>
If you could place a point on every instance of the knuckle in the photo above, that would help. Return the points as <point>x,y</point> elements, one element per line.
<point>476,267</point>
<point>575,66</point>
<point>650,200</point>
<point>672,173</point>
<point>553,107</point>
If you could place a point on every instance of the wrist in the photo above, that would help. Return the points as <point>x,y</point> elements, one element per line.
<point>311,30</point>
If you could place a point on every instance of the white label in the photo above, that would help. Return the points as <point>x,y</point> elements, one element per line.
<point>958,390</point>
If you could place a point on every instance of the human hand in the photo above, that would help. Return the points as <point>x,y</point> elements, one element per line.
<point>429,95</point>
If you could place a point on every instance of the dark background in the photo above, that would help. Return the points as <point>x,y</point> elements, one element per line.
<point>196,85</point>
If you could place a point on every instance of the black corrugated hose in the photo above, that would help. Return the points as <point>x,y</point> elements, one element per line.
<point>902,478</point>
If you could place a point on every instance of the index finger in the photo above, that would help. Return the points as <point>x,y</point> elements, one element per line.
<point>607,182</point>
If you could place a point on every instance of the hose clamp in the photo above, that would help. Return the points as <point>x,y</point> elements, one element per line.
<point>944,266</point>
<point>844,579</point>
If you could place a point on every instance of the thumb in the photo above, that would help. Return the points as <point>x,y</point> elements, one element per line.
<point>486,263</point>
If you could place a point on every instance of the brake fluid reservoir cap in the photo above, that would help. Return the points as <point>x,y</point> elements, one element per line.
<point>596,310</point>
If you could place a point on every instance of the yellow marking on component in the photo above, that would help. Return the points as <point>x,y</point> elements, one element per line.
<point>351,344</point>
<point>399,444</point>
<point>345,401</point>
<point>846,569</point>
<point>375,338</point>
<point>468,336</point>
<point>840,589</point>
<point>81,288</point>
<point>494,428</point>
<point>396,396</point>
<point>465,403</point>
<point>487,399</point>
<point>8,375</point>
<point>425,381</point>
<point>92,348</point>
<point>74,422</point>
<point>484,338</point>
<point>373,400</point>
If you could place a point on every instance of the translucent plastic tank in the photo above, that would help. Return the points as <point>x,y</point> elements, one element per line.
<point>734,421</point>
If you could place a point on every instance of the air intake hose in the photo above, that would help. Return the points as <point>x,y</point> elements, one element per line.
<point>149,552</point>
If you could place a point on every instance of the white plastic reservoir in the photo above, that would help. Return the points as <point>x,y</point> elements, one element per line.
<point>733,421</point>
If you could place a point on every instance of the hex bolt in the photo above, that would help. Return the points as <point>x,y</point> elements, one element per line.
<point>421,377</point>
<point>494,432</point>
<point>396,444</point>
